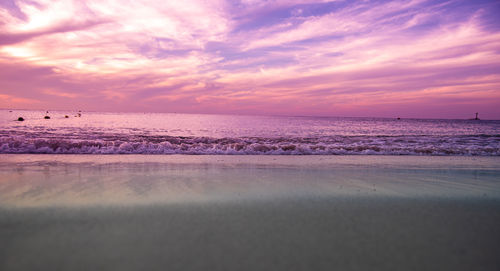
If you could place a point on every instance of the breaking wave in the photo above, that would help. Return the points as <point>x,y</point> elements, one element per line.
<point>100,143</point>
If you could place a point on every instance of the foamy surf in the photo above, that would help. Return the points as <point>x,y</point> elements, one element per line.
<point>117,133</point>
<point>122,144</point>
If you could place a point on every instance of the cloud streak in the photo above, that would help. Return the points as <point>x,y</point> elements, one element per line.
<point>355,58</point>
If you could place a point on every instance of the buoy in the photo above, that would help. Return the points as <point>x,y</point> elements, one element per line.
<point>399,118</point>
<point>46,117</point>
<point>66,116</point>
<point>20,119</point>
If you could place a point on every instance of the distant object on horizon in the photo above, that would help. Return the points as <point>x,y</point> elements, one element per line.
<point>46,117</point>
<point>20,119</point>
<point>66,116</point>
<point>476,118</point>
<point>399,118</point>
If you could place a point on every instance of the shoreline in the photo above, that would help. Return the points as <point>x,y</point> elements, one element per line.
<point>296,160</point>
<point>85,180</point>
<point>192,212</point>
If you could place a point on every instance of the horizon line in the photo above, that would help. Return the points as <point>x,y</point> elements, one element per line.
<point>245,114</point>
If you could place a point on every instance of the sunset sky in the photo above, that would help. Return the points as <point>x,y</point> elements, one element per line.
<point>422,59</point>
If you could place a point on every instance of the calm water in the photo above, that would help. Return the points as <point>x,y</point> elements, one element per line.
<point>157,133</point>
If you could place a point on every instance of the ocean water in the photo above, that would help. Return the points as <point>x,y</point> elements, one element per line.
<point>169,133</point>
<point>250,211</point>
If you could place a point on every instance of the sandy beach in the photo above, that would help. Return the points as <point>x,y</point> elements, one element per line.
<point>185,212</point>
<point>249,135</point>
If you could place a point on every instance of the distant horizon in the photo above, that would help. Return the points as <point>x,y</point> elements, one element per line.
<point>423,59</point>
<point>241,114</point>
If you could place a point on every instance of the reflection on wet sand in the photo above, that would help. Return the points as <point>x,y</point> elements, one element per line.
<point>101,180</point>
<point>249,213</point>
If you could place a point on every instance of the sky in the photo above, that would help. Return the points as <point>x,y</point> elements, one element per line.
<point>405,58</point>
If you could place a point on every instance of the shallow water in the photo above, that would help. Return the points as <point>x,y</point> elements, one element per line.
<point>73,180</point>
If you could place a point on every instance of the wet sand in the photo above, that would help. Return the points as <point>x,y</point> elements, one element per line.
<point>136,212</point>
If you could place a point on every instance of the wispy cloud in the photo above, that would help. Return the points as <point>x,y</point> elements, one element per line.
<point>382,58</point>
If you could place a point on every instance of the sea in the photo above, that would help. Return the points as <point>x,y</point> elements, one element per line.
<point>76,132</point>
<point>91,191</point>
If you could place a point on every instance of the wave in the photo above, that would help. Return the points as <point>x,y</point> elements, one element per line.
<point>480,145</point>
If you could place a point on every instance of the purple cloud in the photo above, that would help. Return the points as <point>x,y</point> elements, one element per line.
<point>251,56</point>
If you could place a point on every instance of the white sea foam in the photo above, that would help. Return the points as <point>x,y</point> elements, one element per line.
<point>121,144</point>
<point>105,133</point>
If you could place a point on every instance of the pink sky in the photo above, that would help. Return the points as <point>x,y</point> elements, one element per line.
<point>422,59</point>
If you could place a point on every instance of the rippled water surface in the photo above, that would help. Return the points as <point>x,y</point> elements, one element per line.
<point>158,133</point>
